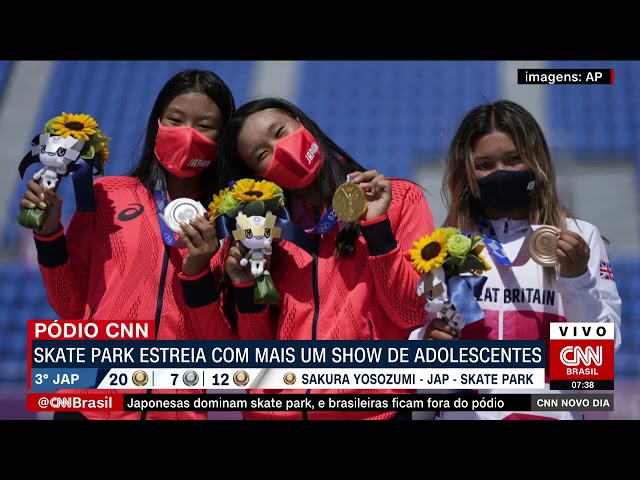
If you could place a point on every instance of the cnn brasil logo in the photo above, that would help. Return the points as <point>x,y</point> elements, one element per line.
<point>581,351</point>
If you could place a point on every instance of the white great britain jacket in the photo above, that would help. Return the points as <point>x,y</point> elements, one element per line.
<point>519,305</point>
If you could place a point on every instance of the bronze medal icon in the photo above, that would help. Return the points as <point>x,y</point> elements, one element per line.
<point>349,202</point>
<point>543,244</point>
<point>241,378</point>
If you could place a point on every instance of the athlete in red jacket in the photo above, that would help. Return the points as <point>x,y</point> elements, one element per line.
<point>113,262</point>
<point>348,286</point>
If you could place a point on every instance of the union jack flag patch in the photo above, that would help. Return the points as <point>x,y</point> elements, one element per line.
<point>605,271</point>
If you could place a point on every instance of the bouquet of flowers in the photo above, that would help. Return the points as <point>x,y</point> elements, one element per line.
<point>451,266</point>
<point>252,203</point>
<point>64,140</point>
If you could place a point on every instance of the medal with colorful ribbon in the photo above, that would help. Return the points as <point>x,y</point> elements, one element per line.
<point>540,244</point>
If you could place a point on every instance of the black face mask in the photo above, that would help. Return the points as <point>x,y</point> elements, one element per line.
<point>506,190</point>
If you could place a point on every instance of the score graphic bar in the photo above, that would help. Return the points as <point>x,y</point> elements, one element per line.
<point>288,378</point>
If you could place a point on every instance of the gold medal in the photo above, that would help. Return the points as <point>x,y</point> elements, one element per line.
<point>289,378</point>
<point>543,244</point>
<point>349,202</point>
<point>140,378</point>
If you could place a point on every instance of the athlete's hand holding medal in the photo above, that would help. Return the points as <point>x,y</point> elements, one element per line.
<point>546,245</point>
<point>364,195</point>
<point>187,218</point>
<point>550,246</point>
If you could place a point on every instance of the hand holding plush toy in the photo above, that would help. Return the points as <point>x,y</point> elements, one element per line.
<point>256,233</point>
<point>251,204</point>
<point>65,140</point>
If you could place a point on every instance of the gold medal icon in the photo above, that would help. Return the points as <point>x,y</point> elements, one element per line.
<point>349,202</point>
<point>241,378</point>
<point>140,378</point>
<point>289,378</point>
<point>543,244</point>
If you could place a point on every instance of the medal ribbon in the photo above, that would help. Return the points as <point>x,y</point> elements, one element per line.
<point>169,237</point>
<point>327,221</point>
<point>495,247</point>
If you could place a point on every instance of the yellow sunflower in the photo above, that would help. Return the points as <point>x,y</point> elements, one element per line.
<point>105,154</point>
<point>429,252</point>
<point>249,190</point>
<point>81,126</point>
<point>213,206</point>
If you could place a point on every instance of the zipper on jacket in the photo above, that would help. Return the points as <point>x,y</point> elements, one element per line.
<point>506,226</point>
<point>163,281</point>
<point>316,303</point>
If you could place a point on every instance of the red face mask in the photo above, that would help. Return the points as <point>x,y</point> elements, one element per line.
<point>296,160</point>
<point>184,151</point>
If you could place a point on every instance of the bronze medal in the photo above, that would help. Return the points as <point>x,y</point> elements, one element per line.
<point>543,244</point>
<point>241,378</point>
<point>349,202</point>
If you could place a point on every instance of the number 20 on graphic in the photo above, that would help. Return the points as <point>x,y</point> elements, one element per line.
<point>579,352</point>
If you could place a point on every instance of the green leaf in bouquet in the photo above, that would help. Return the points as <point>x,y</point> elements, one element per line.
<point>450,270</point>
<point>475,242</point>
<point>451,261</point>
<point>88,152</point>
<point>32,218</point>
<point>255,208</point>
<point>264,290</point>
<point>274,203</point>
<point>48,127</point>
<point>98,143</point>
<point>233,211</point>
<point>472,263</point>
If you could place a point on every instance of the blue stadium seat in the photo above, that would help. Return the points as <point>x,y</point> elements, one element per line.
<point>626,271</point>
<point>5,71</point>
<point>389,114</point>
<point>597,119</point>
<point>13,373</point>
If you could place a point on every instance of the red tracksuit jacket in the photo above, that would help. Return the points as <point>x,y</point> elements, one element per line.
<point>368,296</point>
<point>111,264</point>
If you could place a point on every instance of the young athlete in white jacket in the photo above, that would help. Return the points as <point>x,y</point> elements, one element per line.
<point>500,180</point>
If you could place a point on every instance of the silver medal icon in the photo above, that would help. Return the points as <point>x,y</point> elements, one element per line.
<point>190,378</point>
<point>182,210</point>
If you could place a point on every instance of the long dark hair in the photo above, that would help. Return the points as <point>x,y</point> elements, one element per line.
<point>148,169</point>
<point>336,165</point>
<point>460,192</point>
